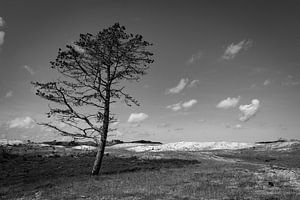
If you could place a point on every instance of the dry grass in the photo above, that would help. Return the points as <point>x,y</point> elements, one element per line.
<point>289,159</point>
<point>126,175</point>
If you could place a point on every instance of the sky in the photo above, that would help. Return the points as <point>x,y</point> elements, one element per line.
<point>223,70</point>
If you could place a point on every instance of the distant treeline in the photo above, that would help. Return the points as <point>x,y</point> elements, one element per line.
<point>91,143</point>
<point>279,140</point>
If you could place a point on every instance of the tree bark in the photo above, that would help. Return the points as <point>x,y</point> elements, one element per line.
<point>99,157</point>
<point>101,146</point>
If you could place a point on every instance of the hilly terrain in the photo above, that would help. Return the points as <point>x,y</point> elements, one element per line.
<point>183,170</point>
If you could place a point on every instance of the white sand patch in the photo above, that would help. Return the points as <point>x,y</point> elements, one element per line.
<point>186,146</point>
<point>58,146</point>
<point>85,147</point>
<point>4,142</point>
<point>44,145</point>
<point>126,145</point>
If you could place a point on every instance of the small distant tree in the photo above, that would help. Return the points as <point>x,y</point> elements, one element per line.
<point>92,74</point>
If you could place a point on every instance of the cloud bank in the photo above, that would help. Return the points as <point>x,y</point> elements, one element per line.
<point>228,103</point>
<point>249,111</point>
<point>21,122</point>
<point>189,103</point>
<point>177,89</point>
<point>175,107</point>
<point>137,117</point>
<point>179,106</point>
<point>233,49</point>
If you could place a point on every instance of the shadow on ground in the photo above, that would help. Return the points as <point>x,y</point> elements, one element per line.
<point>24,173</point>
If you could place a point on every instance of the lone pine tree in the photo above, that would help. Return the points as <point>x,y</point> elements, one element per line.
<point>92,74</point>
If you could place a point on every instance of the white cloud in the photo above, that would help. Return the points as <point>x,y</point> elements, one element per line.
<point>2,22</point>
<point>248,111</point>
<point>194,58</point>
<point>179,106</point>
<point>233,49</point>
<point>181,85</point>
<point>238,126</point>
<point>175,107</point>
<point>229,103</point>
<point>193,83</point>
<point>8,94</point>
<point>189,103</point>
<point>267,82</point>
<point>21,122</point>
<point>2,34</point>
<point>137,117</point>
<point>29,69</point>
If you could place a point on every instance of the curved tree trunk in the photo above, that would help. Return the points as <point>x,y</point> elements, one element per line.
<point>99,157</point>
<point>101,146</point>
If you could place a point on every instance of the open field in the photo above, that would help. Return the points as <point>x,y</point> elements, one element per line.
<point>57,173</point>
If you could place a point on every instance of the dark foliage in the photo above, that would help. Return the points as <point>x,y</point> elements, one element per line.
<point>93,71</point>
<point>145,142</point>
